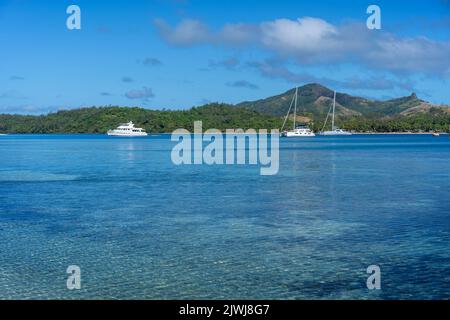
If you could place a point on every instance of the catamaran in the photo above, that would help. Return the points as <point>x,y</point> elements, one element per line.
<point>335,131</point>
<point>301,131</point>
<point>127,130</point>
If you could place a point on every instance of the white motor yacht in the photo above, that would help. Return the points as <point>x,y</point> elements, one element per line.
<point>127,130</point>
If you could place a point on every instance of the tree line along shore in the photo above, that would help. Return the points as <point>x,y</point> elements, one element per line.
<point>216,115</point>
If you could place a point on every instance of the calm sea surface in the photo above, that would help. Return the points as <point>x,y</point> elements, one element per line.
<point>141,228</point>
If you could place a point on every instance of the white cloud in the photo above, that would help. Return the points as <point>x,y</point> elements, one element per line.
<point>14,78</point>
<point>243,84</point>
<point>127,79</point>
<point>410,54</point>
<point>238,34</point>
<point>187,32</point>
<point>151,62</point>
<point>12,94</point>
<point>276,70</point>
<point>377,83</point>
<point>228,63</point>
<point>26,109</point>
<point>302,35</point>
<point>310,40</point>
<point>144,93</point>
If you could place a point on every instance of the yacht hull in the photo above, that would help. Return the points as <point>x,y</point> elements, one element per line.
<point>115,134</point>
<point>297,135</point>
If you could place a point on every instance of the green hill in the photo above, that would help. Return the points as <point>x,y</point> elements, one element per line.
<point>314,100</point>
<point>355,113</point>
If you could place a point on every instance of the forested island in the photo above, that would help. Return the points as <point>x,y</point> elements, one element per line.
<point>100,120</point>
<point>407,114</point>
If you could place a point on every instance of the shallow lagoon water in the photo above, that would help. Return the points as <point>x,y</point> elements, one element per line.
<point>141,228</point>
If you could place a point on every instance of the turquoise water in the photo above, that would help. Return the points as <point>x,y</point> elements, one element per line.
<point>141,228</point>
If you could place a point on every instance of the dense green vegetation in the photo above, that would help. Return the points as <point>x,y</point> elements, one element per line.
<point>352,113</point>
<point>416,123</point>
<point>218,116</point>
<point>100,120</point>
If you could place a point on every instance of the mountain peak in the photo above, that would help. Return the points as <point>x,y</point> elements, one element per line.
<point>315,100</point>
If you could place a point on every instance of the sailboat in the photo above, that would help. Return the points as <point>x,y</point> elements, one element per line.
<point>335,131</point>
<point>300,131</point>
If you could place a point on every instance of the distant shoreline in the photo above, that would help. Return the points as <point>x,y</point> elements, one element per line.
<point>236,133</point>
<point>397,133</point>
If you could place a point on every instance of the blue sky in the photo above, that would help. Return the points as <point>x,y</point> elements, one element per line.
<point>175,54</point>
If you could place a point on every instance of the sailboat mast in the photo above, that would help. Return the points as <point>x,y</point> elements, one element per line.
<point>295,109</point>
<point>334,109</point>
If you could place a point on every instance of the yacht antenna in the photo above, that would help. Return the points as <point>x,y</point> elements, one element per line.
<point>295,109</point>
<point>326,119</point>
<point>334,108</point>
<point>287,115</point>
